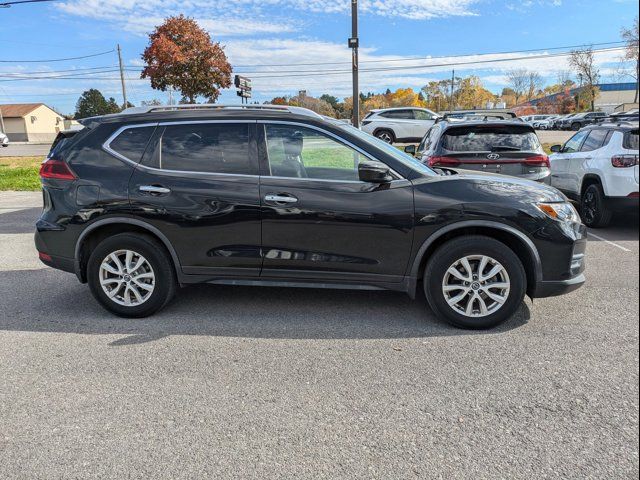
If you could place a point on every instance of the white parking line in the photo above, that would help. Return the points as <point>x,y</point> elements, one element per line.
<point>609,242</point>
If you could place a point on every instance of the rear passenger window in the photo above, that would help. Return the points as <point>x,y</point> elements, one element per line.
<point>399,114</point>
<point>207,148</point>
<point>130,143</point>
<point>594,140</point>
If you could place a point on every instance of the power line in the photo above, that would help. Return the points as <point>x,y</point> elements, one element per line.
<point>2,74</point>
<point>58,59</point>
<point>8,4</point>
<point>405,59</point>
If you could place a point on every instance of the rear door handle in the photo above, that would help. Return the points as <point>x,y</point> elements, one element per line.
<point>154,189</point>
<point>280,198</point>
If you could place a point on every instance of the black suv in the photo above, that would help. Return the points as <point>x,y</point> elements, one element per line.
<point>138,203</point>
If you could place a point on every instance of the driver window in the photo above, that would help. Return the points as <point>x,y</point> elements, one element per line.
<point>422,115</point>
<point>573,145</point>
<point>301,152</point>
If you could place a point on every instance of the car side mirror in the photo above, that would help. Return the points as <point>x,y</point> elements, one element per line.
<point>374,172</point>
<point>410,149</point>
<point>556,148</point>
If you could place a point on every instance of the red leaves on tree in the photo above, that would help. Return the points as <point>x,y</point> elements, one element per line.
<point>181,55</point>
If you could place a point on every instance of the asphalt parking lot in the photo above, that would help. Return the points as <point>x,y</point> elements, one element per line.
<point>235,382</point>
<point>25,150</point>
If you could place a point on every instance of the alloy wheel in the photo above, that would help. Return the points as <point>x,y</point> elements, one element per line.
<point>127,278</point>
<point>385,137</point>
<point>476,286</point>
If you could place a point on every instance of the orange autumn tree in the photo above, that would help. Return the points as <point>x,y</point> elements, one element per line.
<point>181,55</point>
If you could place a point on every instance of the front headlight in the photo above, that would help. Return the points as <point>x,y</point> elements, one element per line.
<point>563,212</point>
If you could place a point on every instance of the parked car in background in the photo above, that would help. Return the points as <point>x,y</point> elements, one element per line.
<point>630,116</point>
<point>545,123</point>
<point>598,167</point>
<point>580,120</point>
<point>556,122</point>
<point>534,120</point>
<point>141,202</point>
<point>4,140</point>
<point>405,124</point>
<point>506,147</point>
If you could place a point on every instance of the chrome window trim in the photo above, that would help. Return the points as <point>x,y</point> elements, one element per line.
<point>339,140</point>
<point>107,147</point>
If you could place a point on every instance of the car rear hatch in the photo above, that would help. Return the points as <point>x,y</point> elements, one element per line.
<point>504,149</point>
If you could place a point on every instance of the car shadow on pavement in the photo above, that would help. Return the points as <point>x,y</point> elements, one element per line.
<point>623,228</point>
<point>20,221</point>
<point>50,301</point>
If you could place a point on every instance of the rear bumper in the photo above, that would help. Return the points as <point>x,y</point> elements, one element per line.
<point>559,287</point>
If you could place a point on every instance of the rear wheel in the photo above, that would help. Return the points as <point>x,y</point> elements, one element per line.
<point>593,209</point>
<point>474,282</point>
<point>131,275</point>
<point>575,126</point>
<point>386,136</point>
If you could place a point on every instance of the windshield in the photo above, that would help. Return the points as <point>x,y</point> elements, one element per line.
<point>475,139</point>
<point>397,154</point>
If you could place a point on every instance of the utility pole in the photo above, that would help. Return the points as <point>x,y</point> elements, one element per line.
<point>124,89</point>
<point>453,77</point>
<point>353,44</point>
<point>1,122</point>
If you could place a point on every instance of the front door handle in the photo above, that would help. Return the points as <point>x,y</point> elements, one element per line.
<point>154,189</point>
<point>280,198</point>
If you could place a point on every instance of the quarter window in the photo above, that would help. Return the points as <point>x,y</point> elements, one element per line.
<point>131,143</point>
<point>301,152</point>
<point>206,147</point>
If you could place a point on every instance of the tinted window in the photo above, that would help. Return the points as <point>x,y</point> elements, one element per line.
<point>573,145</point>
<point>487,139</point>
<point>400,114</point>
<point>631,140</point>
<point>206,147</point>
<point>132,142</point>
<point>594,140</point>
<point>306,153</point>
<point>422,115</point>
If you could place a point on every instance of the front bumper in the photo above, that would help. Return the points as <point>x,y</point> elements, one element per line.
<point>560,287</point>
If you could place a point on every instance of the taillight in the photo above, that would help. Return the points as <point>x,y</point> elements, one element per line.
<point>634,195</point>
<point>624,161</point>
<point>537,161</point>
<point>437,161</point>
<point>56,169</point>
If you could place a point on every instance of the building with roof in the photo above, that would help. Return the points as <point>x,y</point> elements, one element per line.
<point>30,122</point>
<point>612,97</point>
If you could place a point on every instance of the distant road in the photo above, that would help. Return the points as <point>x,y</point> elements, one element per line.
<point>24,150</point>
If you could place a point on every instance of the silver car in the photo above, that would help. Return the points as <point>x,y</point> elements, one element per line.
<point>4,140</point>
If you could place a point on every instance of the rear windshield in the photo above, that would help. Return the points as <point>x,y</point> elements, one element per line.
<point>490,139</point>
<point>631,140</point>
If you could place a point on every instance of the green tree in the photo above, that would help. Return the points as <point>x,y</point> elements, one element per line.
<point>92,103</point>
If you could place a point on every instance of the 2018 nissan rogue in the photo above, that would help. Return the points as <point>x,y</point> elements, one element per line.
<point>141,202</point>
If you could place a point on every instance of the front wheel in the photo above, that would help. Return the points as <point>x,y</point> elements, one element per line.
<point>593,209</point>
<point>131,275</point>
<point>474,282</point>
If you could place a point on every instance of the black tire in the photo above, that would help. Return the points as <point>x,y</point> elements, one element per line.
<point>157,257</point>
<point>446,255</point>
<point>385,135</point>
<point>593,208</point>
<point>575,126</point>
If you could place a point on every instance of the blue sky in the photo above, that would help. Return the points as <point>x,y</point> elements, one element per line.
<point>267,32</point>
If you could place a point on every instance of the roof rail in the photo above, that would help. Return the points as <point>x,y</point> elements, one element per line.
<point>216,106</point>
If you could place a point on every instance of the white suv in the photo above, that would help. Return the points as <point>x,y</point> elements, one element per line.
<point>404,124</point>
<point>4,140</point>
<point>598,167</point>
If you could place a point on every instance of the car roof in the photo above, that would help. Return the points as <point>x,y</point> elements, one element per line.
<point>486,123</point>
<point>377,110</point>
<point>206,111</point>
<point>615,125</point>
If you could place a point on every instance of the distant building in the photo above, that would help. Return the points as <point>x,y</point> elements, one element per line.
<point>611,97</point>
<point>30,122</point>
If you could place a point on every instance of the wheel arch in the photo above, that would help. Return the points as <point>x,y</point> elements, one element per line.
<point>590,179</point>
<point>384,129</point>
<point>518,241</point>
<point>101,229</point>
